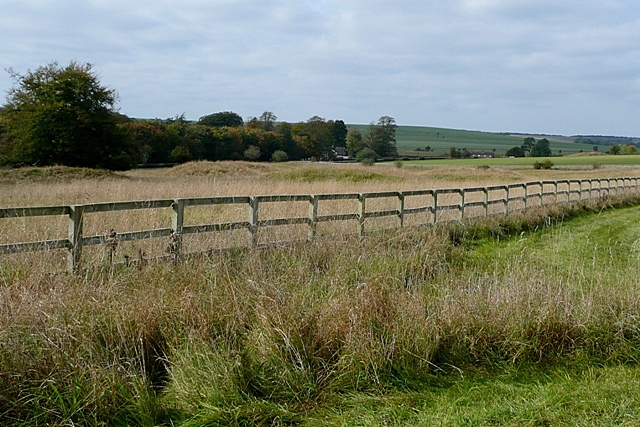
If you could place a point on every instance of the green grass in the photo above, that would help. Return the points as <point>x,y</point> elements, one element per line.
<point>565,161</point>
<point>408,138</point>
<point>602,396</point>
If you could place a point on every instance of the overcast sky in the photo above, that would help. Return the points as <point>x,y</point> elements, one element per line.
<point>541,66</point>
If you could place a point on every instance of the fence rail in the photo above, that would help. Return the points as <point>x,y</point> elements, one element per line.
<point>507,197</point>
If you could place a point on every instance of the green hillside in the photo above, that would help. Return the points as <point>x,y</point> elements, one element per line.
<point>409,138</point>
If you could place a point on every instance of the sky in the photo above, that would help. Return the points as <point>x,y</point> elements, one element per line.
<point>558,67</point>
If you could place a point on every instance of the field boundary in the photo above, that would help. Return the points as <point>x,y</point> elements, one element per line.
<point>490,200</point>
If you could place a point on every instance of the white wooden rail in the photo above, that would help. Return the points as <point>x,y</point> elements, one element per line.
<point>525,195</point>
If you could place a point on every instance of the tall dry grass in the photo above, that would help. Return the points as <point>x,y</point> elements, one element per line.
<point>254,336</point>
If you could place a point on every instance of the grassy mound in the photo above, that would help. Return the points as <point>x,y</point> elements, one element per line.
<point>53,174</point>
<point>224,168</point>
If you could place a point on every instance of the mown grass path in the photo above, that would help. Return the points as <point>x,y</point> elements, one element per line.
<point>586,252</point>
<point>593,247</point>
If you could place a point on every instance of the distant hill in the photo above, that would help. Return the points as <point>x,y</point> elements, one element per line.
<point>440,140</point>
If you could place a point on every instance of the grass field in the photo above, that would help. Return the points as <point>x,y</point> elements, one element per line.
<point>530,319</point>
<point>440,140</point>
<point>592,161</point>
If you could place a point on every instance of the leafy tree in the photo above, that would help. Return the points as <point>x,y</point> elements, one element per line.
<point>355,142</point>
<point>381,137</point>
<point>152,139</point>
<point>339,130</point>
<point>541,148</point>
<point>629,149</point>
<point>528,144</point>
<point>57,115</point>
<point>268,121</point>
<point>515,152</point>
<point>615,149</point>
<point>223,118</point>
<point>317,138</point>
<point>289,146</point>
<point>454,153</point>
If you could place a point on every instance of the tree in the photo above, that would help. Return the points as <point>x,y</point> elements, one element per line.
<point>515,152</point>
<point>56,115</point>
<point>528,144</point>
<point>454,153</point>
<point>339,130</point>
<point>268,121</point>
<point>381,137</point>
<point>615,149</point>
<point>223,118</point>
<point>629,149</point>
<point>541,148</point>
<point>355,143</point>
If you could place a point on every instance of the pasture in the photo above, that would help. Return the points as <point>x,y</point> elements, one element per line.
<point>526,319</point>
<point>441,140</point>
<point>565,162</point>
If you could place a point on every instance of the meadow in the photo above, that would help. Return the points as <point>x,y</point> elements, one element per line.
<point>441,140</point>
<point>592,161</point>
<point>528,319</point>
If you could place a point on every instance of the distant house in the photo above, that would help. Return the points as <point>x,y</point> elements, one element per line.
<point>486,154</point>
<point>340,153</point>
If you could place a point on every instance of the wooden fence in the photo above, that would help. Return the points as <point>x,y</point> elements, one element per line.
<point>499,199</point>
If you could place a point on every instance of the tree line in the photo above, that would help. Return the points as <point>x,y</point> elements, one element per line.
<point>64,115</point>
<point>531,148</point>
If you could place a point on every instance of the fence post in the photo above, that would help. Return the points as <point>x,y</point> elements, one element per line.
<point>361,213</point>
<point>485,202</point>
<point>313,216</point>
<point>507,196</point>
<point>177,222</point>
<point>434,207</point>
<point>76,222</point>
<point>541,192</point>
<point>526,194</point>
<point>462,200</point>
<point>253,221</point>
<point>400,210</point>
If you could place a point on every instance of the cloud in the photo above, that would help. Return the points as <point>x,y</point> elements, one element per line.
<point>521,65</point>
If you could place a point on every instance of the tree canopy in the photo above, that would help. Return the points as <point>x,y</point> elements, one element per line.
<point>63,115</point>
<point>223,118</point>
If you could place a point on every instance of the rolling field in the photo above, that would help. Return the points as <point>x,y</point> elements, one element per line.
<point>588,161</point>
<point>529,319</point>
<point>440,140</point>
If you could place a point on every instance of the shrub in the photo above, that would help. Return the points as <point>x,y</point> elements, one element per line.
<point>252,153</point>
<point>279,156</point>
<point>367,157</point>
<point>544,164</point>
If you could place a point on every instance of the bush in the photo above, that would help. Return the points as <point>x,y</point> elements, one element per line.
<point>252,153</point>
<point>279,156</point>
<point>367,157</point>
<point>544,164</point>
